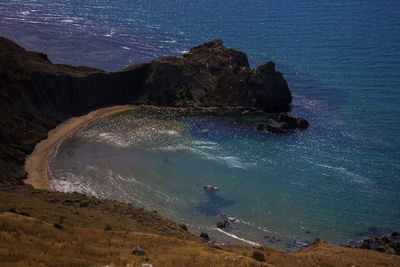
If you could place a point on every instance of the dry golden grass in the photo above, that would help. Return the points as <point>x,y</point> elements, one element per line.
<point>41,228</point>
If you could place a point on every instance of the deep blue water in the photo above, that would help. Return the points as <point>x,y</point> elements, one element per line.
<point>341,60</point>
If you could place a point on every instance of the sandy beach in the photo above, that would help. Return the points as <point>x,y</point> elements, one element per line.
<point>36,163</point>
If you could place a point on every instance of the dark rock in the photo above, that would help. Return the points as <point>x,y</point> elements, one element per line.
<point>138,251</point>
<point>257,255</point>
<point>380,248</point>
<point>183,227</point>
<point>385,240</point>
<point>274,239</point>
<point>387,244</point>
<point>285,123</point>
<point>302,124</point>
<point>39,95</point>
<point>260,127</point>
<point>223,224</point>
<point>395,235</point>
<point>210,188</point>
<point>291,121</point>
<point>307,232</point>
<point>366,244</point>
<point>277,127</point>
<point>205,236</point>
<point>396,246</point>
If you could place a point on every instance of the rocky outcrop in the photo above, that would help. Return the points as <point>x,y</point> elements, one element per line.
<point>283,123</point>
<point>286,123</point>
<point>36,95</point>
<point>388,243</point>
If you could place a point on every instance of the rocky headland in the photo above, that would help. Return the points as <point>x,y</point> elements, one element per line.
<point>36,95</point>
<point>51,228</point>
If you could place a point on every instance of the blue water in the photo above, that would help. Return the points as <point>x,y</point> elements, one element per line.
<point>342,63</point>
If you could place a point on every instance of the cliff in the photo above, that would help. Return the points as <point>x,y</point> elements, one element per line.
<point>39,227</point>
<point>36,95</point>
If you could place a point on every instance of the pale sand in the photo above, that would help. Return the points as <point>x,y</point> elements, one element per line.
<point>36,164</point>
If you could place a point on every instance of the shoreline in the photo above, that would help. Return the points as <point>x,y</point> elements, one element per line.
<point>36,163</point>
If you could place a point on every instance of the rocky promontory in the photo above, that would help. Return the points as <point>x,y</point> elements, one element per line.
<point>36,95</point>
<point>40,227</point>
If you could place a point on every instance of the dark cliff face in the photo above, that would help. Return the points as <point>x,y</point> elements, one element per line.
<point>213,75</point>
<point>36,95</point>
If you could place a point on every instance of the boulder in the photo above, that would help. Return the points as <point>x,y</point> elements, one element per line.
<point>366,244</point>
<point>223,224</point>
<point>260,127</point>
<point>205,236</point>
<point>302,123</point>
<point>138,251</point>
<point>285,123</point>
<point>277,127</point>
<point>387,244</point>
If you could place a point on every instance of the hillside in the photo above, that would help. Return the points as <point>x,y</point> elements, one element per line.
<point>43,228</point>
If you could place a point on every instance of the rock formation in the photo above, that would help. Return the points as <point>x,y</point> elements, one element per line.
<point>388,243</point>
<point>36,95</point>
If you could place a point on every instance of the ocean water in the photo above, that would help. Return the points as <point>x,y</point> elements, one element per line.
<point>339,180</point>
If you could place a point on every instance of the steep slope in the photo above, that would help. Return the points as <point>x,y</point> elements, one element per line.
<point>36,95</point>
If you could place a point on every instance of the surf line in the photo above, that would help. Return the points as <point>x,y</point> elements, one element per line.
<point>238,238</point>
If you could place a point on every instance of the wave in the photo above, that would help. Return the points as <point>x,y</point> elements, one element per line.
<point>355,177</point>
<point>237,238</point>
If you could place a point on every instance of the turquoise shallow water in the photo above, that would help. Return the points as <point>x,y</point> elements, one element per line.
<point>282,189</point>
<point>339,180</point>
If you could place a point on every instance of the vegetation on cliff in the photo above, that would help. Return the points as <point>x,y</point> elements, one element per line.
<point>42,228</point>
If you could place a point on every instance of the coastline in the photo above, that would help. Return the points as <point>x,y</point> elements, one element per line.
<point>36,164</point>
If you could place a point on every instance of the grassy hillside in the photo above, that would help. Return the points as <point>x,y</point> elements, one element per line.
<point>42,228</point>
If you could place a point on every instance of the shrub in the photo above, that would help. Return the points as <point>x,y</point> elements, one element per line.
<point>316,241</point>
<point>58,226</point>
<point>107,227</point>
<point>257,255</point>
<point>183,227</point>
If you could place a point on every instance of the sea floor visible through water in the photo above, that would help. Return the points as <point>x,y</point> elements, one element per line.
<point>339,180</point>
<point>269,194</point>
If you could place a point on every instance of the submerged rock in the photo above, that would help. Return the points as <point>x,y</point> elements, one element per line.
<point>211,188</point>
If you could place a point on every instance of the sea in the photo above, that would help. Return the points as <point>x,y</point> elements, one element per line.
<point>338,181</point>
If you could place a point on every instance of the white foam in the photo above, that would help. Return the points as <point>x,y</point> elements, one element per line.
<point>110,34</point>
<point>354,176</point>
<point>232,162</point>
<point>67,21</point>
<point>126,48</point>
<point>204,143</point>
<point>169,41</point>
<point>25,13</point>
<point>112,139</point>
<point>170,132</point>
<point>238,238</point>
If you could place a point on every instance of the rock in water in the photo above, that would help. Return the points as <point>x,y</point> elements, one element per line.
<point>223,224</point>
<point>260,127</point>
<point>285,123</point>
